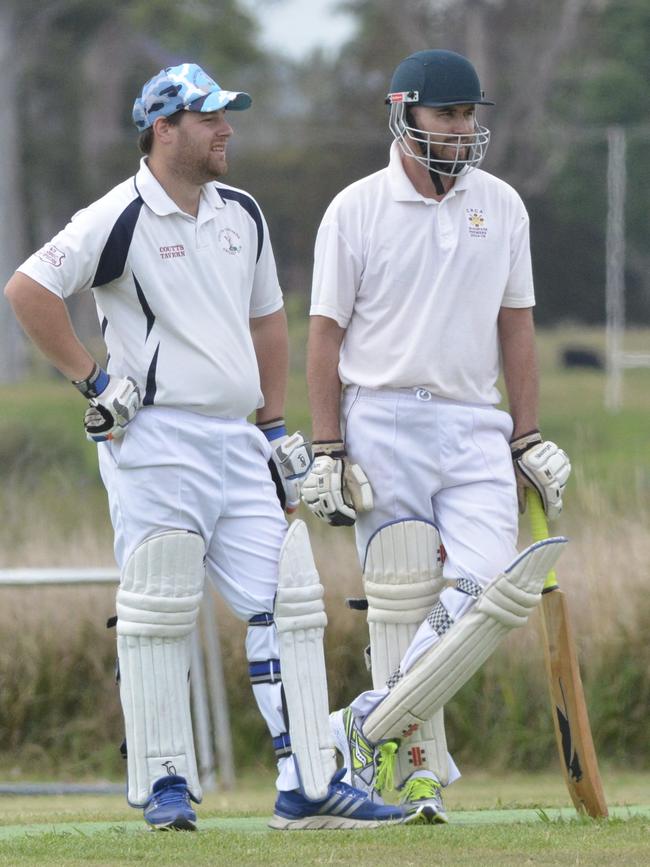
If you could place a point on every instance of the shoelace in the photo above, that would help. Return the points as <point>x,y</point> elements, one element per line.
<point>421,788</point>
<point>387,759</point>
<point>171,793</point>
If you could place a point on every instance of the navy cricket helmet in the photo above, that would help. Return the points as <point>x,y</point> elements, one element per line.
<point>436,78</point>
<point>440,78</point>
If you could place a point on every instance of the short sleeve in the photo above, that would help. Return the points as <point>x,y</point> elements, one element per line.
<point>520,290</point>
<point>67,264</point>
<point>337,273</point>
<point>266,296</point>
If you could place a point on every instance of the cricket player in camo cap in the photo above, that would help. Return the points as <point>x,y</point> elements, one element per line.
<point>422,284</point>
<point>183,275</point>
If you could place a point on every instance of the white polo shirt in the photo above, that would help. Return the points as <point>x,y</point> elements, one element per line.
<point>418,284</point>
<point>174,293</point>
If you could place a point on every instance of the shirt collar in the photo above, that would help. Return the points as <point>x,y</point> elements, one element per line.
<point>155,197</point>
<point>401,187</point>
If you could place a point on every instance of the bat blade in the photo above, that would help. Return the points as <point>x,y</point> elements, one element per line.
<point>569,708</point>
<point>570,717</point>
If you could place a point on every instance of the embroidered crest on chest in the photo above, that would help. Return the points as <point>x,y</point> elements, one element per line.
<point>476,222</point>
<point>230,242</point>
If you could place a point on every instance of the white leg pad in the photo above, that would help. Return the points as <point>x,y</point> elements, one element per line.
<point>300,619</point>
<point>462,647</point>
<point>402,579</point>
<point>157,607</point>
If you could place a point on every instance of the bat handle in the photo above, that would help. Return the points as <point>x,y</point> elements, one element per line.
<point>539,530</point>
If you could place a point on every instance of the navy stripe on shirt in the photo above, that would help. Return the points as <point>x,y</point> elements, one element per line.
<point>148,312</point>
<point>150,391</point>
<point>113,258</point>
<point>251,209</point>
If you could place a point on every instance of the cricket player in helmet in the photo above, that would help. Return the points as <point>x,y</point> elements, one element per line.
<point>422,293</point>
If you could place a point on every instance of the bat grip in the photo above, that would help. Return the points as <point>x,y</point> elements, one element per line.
<point>539,530</point>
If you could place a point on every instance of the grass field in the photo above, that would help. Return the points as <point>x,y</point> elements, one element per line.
<point>53,513</point>
<point>59,714</point>
<point>51,492</point>
<point>496,820</point>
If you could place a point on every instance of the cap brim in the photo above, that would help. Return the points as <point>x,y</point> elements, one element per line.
<point>218,99</point>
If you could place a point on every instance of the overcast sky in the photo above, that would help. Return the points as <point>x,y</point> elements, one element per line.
<point>297,26</point>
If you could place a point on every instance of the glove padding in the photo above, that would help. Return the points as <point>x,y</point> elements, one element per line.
<point>110,412</point>
<point>541,466</point>
<point>335,490</point>
<point>290,462</point>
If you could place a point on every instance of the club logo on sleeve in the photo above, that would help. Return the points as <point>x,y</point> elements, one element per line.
<point>51,255</point>
<point>476,222</point>
<point>230,241</point>
<point>174,251</point>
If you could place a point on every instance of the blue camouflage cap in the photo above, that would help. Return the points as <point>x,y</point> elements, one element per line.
<point>185,87</point>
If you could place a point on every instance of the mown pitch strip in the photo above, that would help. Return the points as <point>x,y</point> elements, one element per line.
<point>258,825</point>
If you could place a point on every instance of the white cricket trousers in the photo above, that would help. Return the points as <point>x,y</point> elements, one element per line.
<point>179,470</point>
<point>442,461</point>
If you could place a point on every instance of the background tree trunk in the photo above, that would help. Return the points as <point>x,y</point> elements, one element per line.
<point>13,352</point>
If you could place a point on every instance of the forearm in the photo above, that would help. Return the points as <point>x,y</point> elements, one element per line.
<point>271,341</point>
<point>45,319</point>
<point>520,367</point>
<point>325,337</point>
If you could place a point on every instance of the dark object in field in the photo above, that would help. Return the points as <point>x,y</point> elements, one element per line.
<point>576,356</point>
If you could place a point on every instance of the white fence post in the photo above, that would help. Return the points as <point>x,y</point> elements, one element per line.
<point>617,359</point>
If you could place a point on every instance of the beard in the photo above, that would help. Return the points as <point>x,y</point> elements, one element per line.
<point>449,154</point>
<point>197,165</point>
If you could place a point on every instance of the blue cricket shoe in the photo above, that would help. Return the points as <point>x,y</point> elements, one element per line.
<point>169,807</point>
<point>342,807</point>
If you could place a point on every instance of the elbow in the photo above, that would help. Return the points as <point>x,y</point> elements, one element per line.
<point>12,290</point>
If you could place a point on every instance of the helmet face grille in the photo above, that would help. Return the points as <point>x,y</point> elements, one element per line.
<point>462,152</point>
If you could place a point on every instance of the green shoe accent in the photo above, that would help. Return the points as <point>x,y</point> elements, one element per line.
<point>420,789</point>
<point>361,751</point>
<point>422,800</point>
<point>386,761</point>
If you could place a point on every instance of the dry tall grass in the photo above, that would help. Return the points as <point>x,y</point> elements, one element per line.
<point>60,711</point>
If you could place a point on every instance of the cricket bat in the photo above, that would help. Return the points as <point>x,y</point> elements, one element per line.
<point>572,730</point>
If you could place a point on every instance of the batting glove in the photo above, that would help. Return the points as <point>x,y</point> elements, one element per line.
<point>113,402</point>
<point>290,462</point>
<point>335,490</point>
<point>543,466</point>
